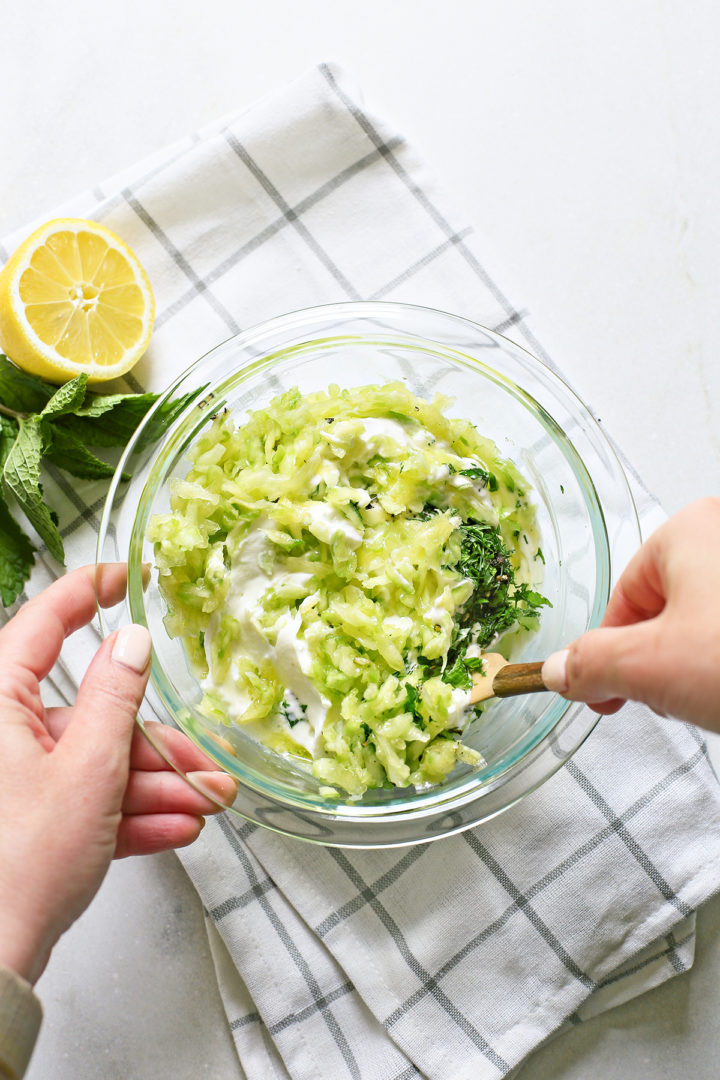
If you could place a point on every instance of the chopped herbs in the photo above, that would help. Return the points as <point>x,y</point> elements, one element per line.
<point>413,698</point>
<point>293,711</point>
<point>460,674</point>
<point>476,473</point>
<point>475,664</point>
<point>496,604</point>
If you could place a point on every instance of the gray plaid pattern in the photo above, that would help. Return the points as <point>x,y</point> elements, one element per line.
<point>457,958</point>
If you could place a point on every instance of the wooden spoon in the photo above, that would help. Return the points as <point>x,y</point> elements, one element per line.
<point>502,679</point>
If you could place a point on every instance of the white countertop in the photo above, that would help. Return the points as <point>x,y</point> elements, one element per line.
<point>582,143</point>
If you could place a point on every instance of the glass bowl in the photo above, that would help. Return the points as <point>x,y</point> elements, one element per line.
<point>586,516</point>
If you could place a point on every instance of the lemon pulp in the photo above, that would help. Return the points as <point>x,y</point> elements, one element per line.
<point>74,298</point>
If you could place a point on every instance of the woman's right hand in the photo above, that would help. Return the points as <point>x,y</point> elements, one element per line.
<point>659,642</point>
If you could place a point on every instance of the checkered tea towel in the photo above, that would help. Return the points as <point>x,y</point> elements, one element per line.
<point>454,959</point>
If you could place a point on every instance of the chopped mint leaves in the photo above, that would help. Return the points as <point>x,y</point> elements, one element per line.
<point>476,473</point>
<point>293,712</point>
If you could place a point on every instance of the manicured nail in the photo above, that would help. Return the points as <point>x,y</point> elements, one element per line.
<point>132,648</point>
<point>554,671</point>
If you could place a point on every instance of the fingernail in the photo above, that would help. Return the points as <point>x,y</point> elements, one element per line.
<point>132,648</point>
<point>554,671</point>
<point>218,786</point>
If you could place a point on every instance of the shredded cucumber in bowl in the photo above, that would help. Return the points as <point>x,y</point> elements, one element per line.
<point>335,567</point>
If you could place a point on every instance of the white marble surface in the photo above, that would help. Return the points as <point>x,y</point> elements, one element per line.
<point>581,140</point>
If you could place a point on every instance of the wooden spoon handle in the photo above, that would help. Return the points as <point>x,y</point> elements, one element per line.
<point>519,679</point>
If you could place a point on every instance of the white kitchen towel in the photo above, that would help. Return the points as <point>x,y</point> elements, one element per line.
<point>452,959</point>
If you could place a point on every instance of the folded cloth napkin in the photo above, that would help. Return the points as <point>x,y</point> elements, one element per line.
<point>452,959</point>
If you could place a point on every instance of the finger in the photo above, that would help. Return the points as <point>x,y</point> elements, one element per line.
<point>639,594</point>
<point>159,743</point>
<point>608,664</point>
<point>146,834</point>
<point>98,736</point>
<point>57,719</point>
<point>168,749</point>
<point>606,708</point>
<point>32,639</point>
<point>110,583</point>
<point>170,793</point>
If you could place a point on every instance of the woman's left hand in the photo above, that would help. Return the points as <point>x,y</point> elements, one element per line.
<point>82,784</point>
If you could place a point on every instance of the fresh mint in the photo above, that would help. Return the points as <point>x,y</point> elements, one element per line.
<point>16,556</point>
<point>8,434</point>
<point>41,423</point>
<point>68,453</point>
<point>111,419</point>
<point>21,477</point>
<point>67,399</point>
<point>21,392</point>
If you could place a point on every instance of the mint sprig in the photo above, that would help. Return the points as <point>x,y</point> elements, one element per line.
<point>43,423</point>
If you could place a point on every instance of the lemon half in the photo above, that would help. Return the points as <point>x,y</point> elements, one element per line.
<point>75,299</point>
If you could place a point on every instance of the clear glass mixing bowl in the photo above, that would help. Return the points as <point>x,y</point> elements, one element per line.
<point>586,514</point>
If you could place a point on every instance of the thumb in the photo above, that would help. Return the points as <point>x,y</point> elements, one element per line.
<point>607,665</point>
<point>97,739</point>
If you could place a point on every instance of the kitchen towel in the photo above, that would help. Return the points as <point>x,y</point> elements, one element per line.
<point>452,959</point>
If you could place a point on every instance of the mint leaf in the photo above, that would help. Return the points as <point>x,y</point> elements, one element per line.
<point>16,556</point>
<point>21,476</point>
<point>68,453</point>
<point>20,391</point>
<point>67,399</point>
<point>97,404</point>
<point>8,435</point>
<point>92,433</point>
<point>111,420</point>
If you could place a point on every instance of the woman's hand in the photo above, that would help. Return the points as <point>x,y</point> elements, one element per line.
<point>81,785</point>
<point>659,641</point>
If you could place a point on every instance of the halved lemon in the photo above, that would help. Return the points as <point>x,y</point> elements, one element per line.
<point>74,298</point>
